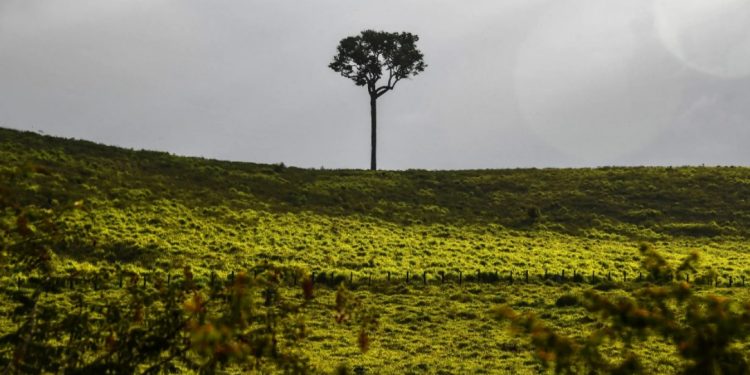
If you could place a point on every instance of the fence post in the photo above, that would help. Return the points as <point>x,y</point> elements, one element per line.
<point>442,277</point>
<point>424,277</point>
<point>407,277</point>
<point>460,277</point>
<point>730,281</point>
<point>527,276</point>
<point>389,277</point>
<point>624,276</point>
<point>169,279</point>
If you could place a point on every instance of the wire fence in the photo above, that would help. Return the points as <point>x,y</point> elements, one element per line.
<point>321,278</point>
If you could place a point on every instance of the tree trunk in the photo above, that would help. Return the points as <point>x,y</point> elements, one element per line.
<point>373,118</point>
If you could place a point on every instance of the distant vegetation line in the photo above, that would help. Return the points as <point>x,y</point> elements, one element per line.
<point>635,202</point>
<point>104,279</point>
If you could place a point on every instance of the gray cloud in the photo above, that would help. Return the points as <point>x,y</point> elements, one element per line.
<point>511,83</point>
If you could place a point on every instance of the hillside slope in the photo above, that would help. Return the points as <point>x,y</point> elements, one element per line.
<point>146,206</point>
<point>700,201</point>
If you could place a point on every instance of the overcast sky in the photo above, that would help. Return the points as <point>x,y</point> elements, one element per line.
<point>510,83</point>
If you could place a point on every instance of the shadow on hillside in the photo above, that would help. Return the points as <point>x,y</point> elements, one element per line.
<point>632,201</point>
<point>126,252</point>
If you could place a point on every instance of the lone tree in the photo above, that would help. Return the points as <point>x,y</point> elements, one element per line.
<point>372,55</point>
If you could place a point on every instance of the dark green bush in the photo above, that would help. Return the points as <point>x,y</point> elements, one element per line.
<point>566,300</point>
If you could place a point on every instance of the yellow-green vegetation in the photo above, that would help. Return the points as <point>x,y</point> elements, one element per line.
<point>709,333</point>
<point>154,215</point>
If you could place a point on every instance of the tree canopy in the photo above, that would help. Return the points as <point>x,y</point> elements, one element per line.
<point>372,55</point>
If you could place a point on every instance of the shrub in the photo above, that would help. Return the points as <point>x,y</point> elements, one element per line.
<point>705,330</point>
<point>566,300</point>
<point>534,214</point>
<point>711,229</point>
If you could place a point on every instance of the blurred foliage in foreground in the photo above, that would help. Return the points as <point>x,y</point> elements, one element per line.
<point>705,330</point>
<point>160,327</point>
<point>144,330</point>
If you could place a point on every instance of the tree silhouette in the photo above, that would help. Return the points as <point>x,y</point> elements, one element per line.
<point>372,55</point>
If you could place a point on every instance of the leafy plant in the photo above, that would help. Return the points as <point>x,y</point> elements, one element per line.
<point>146,330</point>
<point>704,330</point>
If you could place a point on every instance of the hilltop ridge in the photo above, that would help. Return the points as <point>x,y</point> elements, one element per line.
<point>636,202</point>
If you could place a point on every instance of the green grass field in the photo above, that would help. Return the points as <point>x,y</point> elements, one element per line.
<point>154,213</point>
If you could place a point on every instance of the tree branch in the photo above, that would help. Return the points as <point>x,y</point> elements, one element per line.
<point>395,82</point>
<point>382,90</point>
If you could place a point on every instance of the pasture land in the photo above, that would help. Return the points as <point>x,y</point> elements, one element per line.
<point>153,214</point>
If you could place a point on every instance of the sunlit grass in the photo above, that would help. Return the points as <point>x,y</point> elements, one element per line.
<point>149,212</point>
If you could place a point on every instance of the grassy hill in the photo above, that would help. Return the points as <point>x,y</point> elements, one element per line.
<point>148,211</point>
<point>637,202</point>
<point>146,204</point>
